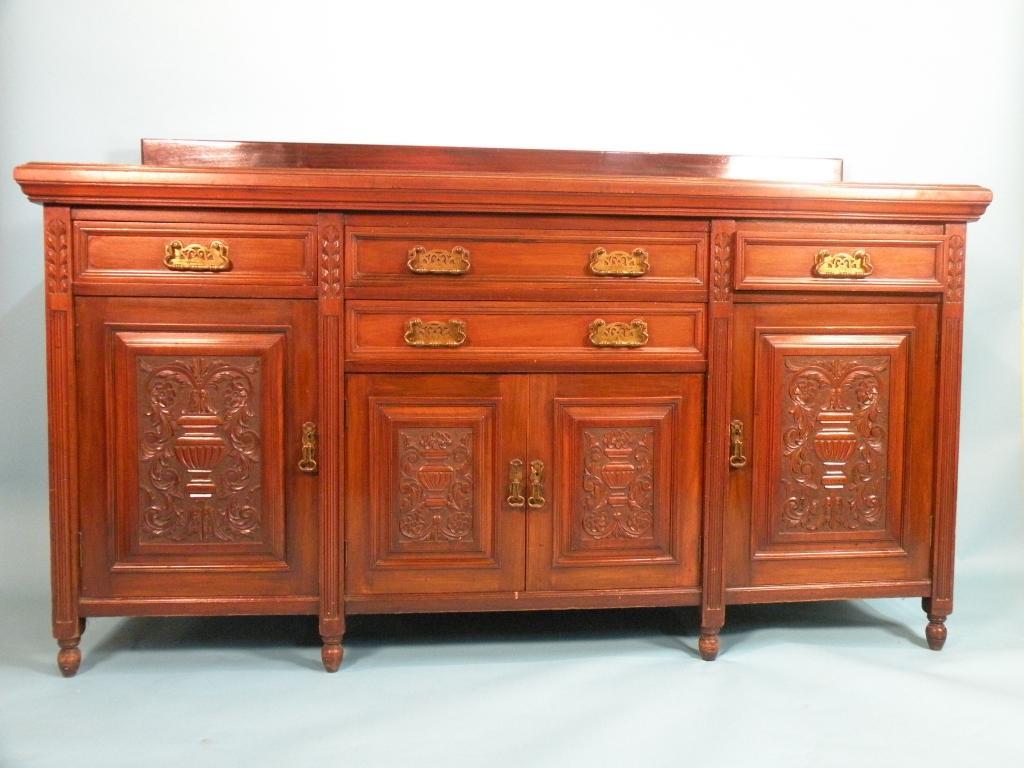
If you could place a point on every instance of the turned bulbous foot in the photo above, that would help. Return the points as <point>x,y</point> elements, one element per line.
<point>936,632</point>
<point>331,655</point>
<point>708,645</point>
<point>69,657</point>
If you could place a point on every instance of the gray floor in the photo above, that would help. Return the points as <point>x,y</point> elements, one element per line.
<point>829,684</point>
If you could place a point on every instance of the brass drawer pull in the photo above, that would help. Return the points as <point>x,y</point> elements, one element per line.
<point>631,334</point>
<point>196,257</point>
<point>515,484</point>
<point>856,264</point>
<point>308,461</point>
<point>536,500</point>
<point>435,333</point>
<point>620,263</point>
<point>736,457</point>
<point>438,261</point>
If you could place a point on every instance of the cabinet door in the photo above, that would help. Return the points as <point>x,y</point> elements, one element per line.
<point>427,505</point>
<point>191,415</point>
<point>617,503</point>
<point>836,403</point>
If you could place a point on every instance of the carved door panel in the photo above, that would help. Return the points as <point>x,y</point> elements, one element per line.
<point>428,509</point>
<point>617,500</point>
<point>836,406</point>
<point>191,415</point>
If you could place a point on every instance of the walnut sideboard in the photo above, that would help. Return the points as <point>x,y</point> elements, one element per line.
<point>341,379</point>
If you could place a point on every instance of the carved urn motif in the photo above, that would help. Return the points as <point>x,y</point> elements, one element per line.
<point>200,448</point>
<point>834,443</point>
<point>436,476</point>
<point>618,473</point>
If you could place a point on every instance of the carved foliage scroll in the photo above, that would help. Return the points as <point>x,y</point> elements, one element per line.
<point>330,261</point>
<point>199,449</point>
<point>955,269</point>
<point>435,484</point>
<point>834,432</point>
<point>57,280</point>
<point>618,483</point>
<point>721,265</point>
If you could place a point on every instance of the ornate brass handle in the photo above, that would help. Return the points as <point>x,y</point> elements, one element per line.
<point>856,264</point>
<point>736,457</point>
<point>197,258</point>
<point>515,484</point>
<point>631,334</point>
<point>435,333</point>
<point>620,263</point>
<point>536,500</point>
<point>308,461</point>
<point>438,261</point>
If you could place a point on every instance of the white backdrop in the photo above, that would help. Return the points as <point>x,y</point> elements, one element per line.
<point>904,91</point>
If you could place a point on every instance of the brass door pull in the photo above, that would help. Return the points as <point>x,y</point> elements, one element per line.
<point>197,258</point>
<point>631,334</point>
<point>856,264</point>
<point>515,484</point>
<point>620,263</point>
<point>435,333</point>
<point>536,500</point>
<point>438,261</point>
<point>736,457</point>
<point>308,461</point>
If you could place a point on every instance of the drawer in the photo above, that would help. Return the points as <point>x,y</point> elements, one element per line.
<point>429,335</point>
<point>195,253</point>
<point>507,257</point>
<point>865,259</point>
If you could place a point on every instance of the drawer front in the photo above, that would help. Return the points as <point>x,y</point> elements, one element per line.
<point>867,260</point>
<point>510,258</point>
<point>429,335</point>
<point>203,255</point>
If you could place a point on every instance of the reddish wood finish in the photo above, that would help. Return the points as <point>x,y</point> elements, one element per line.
<point>552,599</point>
<point>179,403</point>
<point>172,385</point>
<point>545,335</point>
<point>716,438</point>
<point>939,604</point>
<point>366,190</point>
<point>332,438</point>
<point>836,407</point>
<point>784,261</point>
<point>429,458</point>
<point>272,253</point>
<point>63,429</point>
<point>228,154</point>
<point>525,258</point>
<point>622,484</point>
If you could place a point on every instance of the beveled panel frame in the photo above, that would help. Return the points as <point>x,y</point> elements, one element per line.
<point>769,260</point>
<point>492,409</point>
<point>527,335</point>
<point>769,539</point>
<point>116,253</point>
<point>390,420</point>
<point>666,409</point>
<point>526,257</point>
<point>126,350</point>
<point>579,422</point>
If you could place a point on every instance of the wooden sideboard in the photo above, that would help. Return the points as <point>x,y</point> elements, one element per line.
<point>340,379</point>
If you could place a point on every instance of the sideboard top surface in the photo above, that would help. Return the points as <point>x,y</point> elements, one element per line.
<point>369,177</point>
